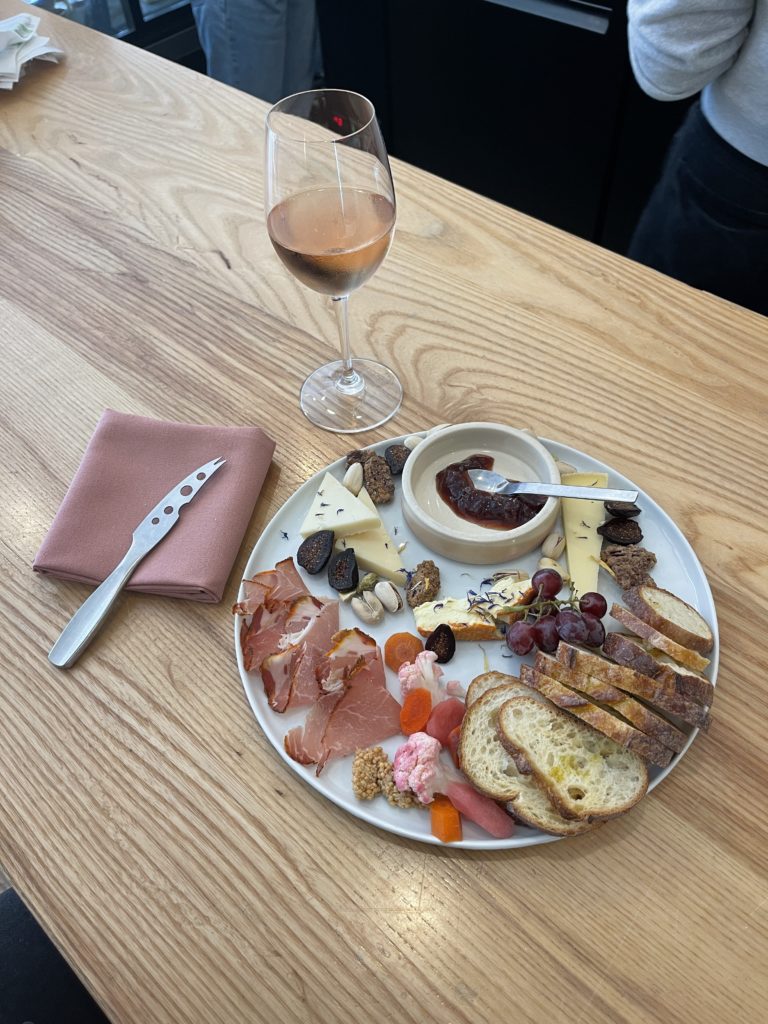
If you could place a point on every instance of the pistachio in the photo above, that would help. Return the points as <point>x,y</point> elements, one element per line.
<point>551,563</point>
<point>564,467</point>
<point>353,478</point>
<point>368,608</point>
<point>389,595</point>
<point>553,546</point>
<point>412,440</point>
<point>368,582</point>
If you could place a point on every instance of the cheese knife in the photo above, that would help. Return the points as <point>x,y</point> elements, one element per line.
<point>84,624</point>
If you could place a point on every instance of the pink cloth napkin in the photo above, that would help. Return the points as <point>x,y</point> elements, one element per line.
<point>130,463</point>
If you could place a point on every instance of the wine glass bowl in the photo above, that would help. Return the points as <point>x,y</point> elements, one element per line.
<point>330,209</point>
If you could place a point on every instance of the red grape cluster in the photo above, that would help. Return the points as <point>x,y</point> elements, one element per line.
<point>548,620</point>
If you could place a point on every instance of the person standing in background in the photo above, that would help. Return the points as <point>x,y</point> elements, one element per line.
<point>268,48</point>
<point>706,222</point>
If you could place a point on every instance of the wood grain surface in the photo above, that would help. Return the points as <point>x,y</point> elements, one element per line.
<point>186,874</point>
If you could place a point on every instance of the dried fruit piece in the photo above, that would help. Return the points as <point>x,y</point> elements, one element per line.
<point>621,531</point>
<point>396,456</point>
<point>342,570</point>
<point>378,480</point>
<point>622,509</point>
<point>314,552</point>
<point>423,584</point>
<point>442,641</point>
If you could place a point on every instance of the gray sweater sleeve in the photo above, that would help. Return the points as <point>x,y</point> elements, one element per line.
<point>678,46</point>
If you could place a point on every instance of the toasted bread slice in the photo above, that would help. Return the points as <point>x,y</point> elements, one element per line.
<point>660,693</point>
<point>671,616</point>
<point>610,698</point>
<point>636,654</point>
<point>586,774</point>
<point>602,719</point>
<point>487,681</point>
<point>686,656</point>
<point>492,770</point>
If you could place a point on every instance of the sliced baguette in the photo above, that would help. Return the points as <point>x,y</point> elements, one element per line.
<point>586,774</point>
<point>634,653</point>
<point>686,656</point>
<point>610,698</point>
<point>660,693</point>
<point>492,770</point>
<point>487,681</point>
<point>601,719</point>
<point>671,616</point>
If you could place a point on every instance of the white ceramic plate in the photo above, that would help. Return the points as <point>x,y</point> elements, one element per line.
<point>677,569</point>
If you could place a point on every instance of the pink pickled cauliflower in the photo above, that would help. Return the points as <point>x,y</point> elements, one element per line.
<point>424,672</point>
<point>417,766</point>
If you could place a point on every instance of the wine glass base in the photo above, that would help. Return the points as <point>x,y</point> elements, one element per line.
<point>372,398</point>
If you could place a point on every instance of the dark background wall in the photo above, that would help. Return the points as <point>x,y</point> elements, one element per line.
<point>536,107</point>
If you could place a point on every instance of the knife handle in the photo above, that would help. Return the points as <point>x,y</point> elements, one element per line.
<point>85,623</point>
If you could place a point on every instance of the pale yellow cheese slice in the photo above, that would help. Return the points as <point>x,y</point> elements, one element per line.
<point>581,519</point>
<point>335,508</point>
<point>375,550</point>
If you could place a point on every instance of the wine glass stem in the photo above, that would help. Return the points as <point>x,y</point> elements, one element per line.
<point>350,381</point>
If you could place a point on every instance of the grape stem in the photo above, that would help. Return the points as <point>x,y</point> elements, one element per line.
<point>541,604</point>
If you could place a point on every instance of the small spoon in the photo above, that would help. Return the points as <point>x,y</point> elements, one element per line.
<point>495,483</point>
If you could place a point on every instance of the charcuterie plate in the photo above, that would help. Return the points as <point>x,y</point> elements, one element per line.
<point>677,570</point>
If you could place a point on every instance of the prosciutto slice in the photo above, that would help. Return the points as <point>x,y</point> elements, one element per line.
<point>359,713</point>
<point>263,635</point>
<point>366,714</point>
<point>350,646</point>
<point>288,584</point>
<point>289,674</point>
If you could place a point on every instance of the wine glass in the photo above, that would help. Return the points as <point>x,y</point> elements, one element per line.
<point>330,206</point>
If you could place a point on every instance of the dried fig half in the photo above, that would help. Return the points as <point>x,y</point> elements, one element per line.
<point>343,573</point>
<point>396,456</point>
<point>621,531</point>
<point>442,641</point>
<point>314,552</point>
<point>622,509</point>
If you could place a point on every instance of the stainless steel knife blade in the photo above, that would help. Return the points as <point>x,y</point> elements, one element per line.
<point>84,624</point>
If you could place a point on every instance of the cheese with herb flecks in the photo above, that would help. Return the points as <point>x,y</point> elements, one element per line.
<point>375,550</point>
<point>581,518</point>
<point>335,508</point>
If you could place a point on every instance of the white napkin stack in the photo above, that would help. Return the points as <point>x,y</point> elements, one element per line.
<point>19,43</point>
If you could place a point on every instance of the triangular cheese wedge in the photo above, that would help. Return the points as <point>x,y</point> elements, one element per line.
<point>335,508</point>
<point>375,550</point>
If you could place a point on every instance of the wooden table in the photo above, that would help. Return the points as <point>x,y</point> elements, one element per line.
<point>186,874</point>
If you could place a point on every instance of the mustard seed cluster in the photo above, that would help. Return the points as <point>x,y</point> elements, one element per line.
<point>372,774</point>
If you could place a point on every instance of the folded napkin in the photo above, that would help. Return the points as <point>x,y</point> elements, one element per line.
<point>130,463</point>
<point>20,43</point>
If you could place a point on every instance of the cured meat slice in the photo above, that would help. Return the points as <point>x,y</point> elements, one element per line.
<point>304,743</point>
<point>288,584</point>
<point>308,631</point>
<point>366,714</point>
<point>263,635</point>
<point>256,590</point>
<point>349,647</point>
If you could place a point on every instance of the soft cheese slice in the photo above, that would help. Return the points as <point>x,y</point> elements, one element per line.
<point>581,519</point>
<point>335,508</point>
<point>466,621</point>
<point>375,550</point>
